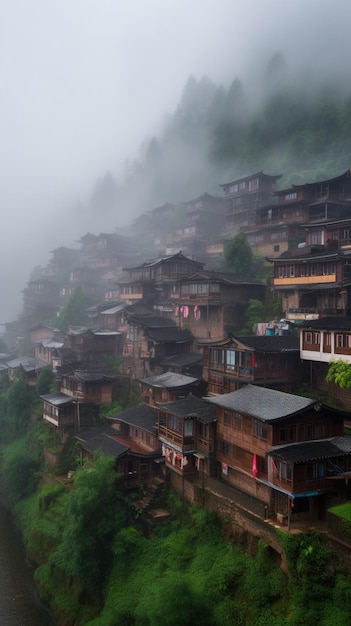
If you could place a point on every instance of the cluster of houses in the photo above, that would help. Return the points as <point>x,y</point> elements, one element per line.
<point>214,404</point>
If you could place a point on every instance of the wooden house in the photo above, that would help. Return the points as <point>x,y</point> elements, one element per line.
<point>313,281</point>
<point>148,280</point>
<point>283,450</point>
<point>63,259</point>
<point>104,250</point>
<point>244,197</point>
<point>54,354</point>
<point>88,387</point>
<point>93,346</point>
<point>41,332</point>
<point>60,411</point>
<point>211,304</point>
<point>322,342</point>
<point>137,428</point>
<point>169,386</point>
<point>24,368</point>
<point>187,433</point>
<point>150,339</point>
<point>130,437</point>
<point>270,361</point>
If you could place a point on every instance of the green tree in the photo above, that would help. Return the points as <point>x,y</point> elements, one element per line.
<point>95,513</point>
<point>74,310</point>
<point>238,255</point>
<point>254,314</point>
<point>46,381</point>
<point>339,372</point>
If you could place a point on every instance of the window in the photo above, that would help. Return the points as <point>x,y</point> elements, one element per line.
<point>233,419</point>
<point>230,358</point>
<point>315,470</point>
<point>225,447</point>
<point>259,430</point>
<point>284,471</point>
<point>291,196</point>
<point>188,428</point>
<point>276,248</point>
<point>292,271</point>
<point>343,340</point>
<point>287,434</point>
<point>218,356</point>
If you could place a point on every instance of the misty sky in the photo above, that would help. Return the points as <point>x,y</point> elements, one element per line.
<point>84,82</point>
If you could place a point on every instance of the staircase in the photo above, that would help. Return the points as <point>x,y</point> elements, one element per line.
<point>148,502</point>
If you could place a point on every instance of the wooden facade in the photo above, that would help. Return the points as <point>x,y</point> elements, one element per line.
<point>88,387</point>
<point>170,386</point>
<point>60,411</point>
<point>244,197</point>
<point>187,434</point>
<point>271,361</point>
<point>210,304</point>
<point>282,449</point>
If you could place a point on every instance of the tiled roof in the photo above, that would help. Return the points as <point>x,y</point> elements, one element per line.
<point>93,377</point>
<point>140,415</point>
<point>154,321</point>
<point>189,407</point>
<point>266,343</point>
<point>169,335</point>
<point>262,403</point>
<point>328,323</point>
<point>169,380</point>
<point>313,450</point>
<point>183,360</point>
<point>27,362</point>
<point>102,439</point>
<point>57,398</point>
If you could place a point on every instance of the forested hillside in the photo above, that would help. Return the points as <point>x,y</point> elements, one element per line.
<point>295,125</point>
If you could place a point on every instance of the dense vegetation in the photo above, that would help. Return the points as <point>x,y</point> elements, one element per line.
<point>99,563</point>
<point>282,123</point>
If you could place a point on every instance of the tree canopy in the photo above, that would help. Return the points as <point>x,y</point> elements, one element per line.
<point>238,255</point>
<point>74,310</point>
<point>339,372</point>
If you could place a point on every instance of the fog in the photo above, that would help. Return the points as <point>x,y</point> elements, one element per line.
<point>84,82</point>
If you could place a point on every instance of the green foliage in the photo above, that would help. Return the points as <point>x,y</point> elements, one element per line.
<point>20,471</point>
<point>175,601</point>
<point>339,372</point>
<point>94,513</point>
<point>110,409</point>
<point>74,310</point>
<point>254,314</point>
<point>15,410</point>
<point>45,381</point>
<point>238,255</point>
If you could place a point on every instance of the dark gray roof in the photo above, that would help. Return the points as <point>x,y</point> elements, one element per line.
<point>183,360</point>
<point>153,321</point>
<point>190,407</point>
<point>140,415</point>
<point>221,277</point>
<point>102,439</point>
<point>93,377</point>
<point>328,323</point>
<point>27,362</point>
<point>313,450</point>
<point>57,398</point>
<point>169,380</point>
<point>262,403</point>
<point>169,335</point>
<point>275,343</point>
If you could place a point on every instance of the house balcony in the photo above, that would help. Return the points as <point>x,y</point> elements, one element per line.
<point>202,299</point>
<point>304,280</point>
<point>313,313</point>
<point>186,444</point>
